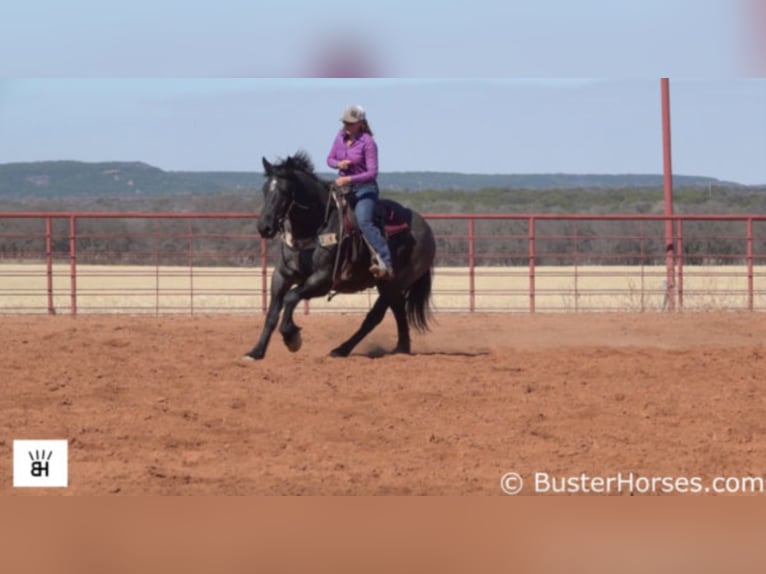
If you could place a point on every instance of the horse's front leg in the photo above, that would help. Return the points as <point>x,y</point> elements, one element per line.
<point>316,285</point>
<point>279,287</point>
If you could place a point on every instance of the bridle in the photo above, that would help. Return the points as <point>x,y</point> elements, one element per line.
<point>293,202</point>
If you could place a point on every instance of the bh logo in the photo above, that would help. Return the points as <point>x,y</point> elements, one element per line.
<point>40,463</point>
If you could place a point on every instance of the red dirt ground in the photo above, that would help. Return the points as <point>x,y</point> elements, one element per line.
<point>164,405</point>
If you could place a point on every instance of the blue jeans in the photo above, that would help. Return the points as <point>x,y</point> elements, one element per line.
<point>366,198</point>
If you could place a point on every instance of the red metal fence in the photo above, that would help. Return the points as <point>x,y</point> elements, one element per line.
<point>204,263</point>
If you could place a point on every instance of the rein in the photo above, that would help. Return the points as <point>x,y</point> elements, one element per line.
<point>286,216</point>
<point>324,239</point>
<point>293,203</point>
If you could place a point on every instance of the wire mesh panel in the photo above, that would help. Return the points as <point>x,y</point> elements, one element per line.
<point>213,263</point>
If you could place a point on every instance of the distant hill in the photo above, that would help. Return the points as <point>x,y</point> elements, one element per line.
<point>70,178</point>
<point>79,179</point>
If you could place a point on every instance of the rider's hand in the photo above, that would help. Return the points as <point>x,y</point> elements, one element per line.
<point>344,164</point>
<point>343,181</point>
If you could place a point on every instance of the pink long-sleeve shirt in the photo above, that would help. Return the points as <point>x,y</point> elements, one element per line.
<point>363,153</point>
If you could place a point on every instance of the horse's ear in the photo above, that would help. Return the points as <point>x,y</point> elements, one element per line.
<point>267,167</point>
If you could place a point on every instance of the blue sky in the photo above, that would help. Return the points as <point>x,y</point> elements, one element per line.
<point>433,38</point>
<point>487,87</point>
<point>463,125</point>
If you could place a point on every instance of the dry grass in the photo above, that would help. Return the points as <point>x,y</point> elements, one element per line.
<point>136,289</point>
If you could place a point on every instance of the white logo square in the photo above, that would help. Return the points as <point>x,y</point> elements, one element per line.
<point>40,463</point>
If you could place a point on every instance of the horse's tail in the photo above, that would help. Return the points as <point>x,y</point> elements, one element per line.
<point>418,303</point>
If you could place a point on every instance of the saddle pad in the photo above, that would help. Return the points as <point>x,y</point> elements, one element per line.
<point>395,214</point>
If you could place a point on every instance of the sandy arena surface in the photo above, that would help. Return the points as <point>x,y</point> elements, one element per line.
<point>164,405</point>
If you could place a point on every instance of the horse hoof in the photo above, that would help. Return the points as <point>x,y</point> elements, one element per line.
<point>339,352</point>
<point>250,357</point>
<point>294,343</point>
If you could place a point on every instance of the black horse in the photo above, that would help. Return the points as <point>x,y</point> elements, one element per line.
<point>301,207</point>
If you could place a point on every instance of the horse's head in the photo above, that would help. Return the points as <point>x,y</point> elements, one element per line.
<point>277,197</point>
<point>289,184</point>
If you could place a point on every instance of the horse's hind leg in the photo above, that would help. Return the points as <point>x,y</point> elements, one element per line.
<point>402,326</point>
<point>372,319</point>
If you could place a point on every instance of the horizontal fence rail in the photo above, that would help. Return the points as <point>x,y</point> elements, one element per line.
<point>217,263</point>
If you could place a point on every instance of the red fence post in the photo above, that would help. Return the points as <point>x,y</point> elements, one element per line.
<point>471,265</point>
<point>680,259</point>
<point>264,277</point>
<point>157,240</point>
<point>49,263</point>
<point>749,263</point>
<point>73,264</point>
<point>531,264</point>
<point>191,266</point>
<point>574,263</point>
<point>642,258</point>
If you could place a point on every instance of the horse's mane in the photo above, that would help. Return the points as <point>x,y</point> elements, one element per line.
<point>302,161</point>
<point>298,162</point>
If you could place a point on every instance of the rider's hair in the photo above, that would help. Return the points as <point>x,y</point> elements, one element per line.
<point>366,127</point>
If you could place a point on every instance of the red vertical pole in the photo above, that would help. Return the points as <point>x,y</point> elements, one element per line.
<point>471,265</point>
<point>73,264</point>
<point>680,259</point>
<point>642,233</point>
<point>49,263</point>
<point>668,180</point>
<point>264,277</point>
<point>750,264</point>
<point>157,240</point>
<point>191,266</point>
<point>575,257</point>
<point>531,264</point>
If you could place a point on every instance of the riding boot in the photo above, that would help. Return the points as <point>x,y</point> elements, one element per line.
<point>379,269</point>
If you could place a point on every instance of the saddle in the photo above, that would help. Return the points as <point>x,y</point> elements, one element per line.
<point>354,253</point>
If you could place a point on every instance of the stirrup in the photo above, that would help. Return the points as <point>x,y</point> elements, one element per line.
<point>382,271</point>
